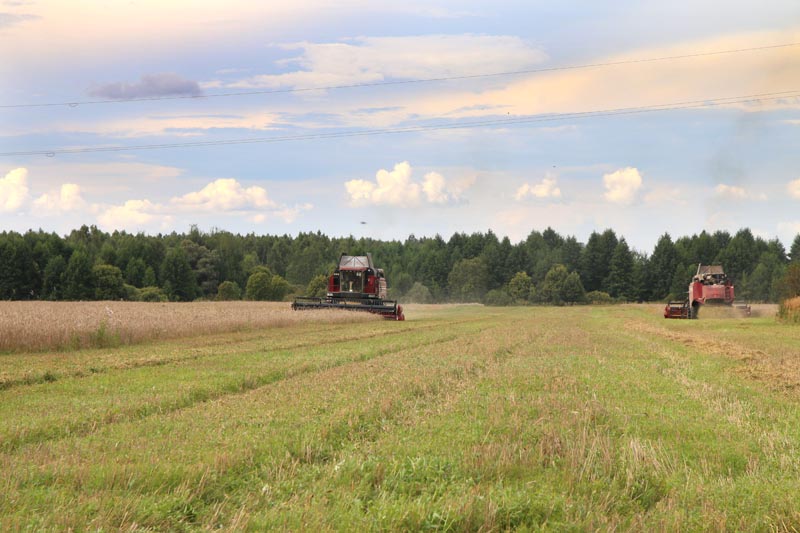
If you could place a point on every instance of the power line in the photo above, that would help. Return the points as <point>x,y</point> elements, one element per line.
<point>754,98</point>
<point>398,82</point>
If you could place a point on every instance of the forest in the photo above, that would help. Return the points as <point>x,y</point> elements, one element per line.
<point>546,267</point>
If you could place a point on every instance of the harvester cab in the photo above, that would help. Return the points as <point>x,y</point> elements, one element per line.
<point>355,285</point>
<point>709,286</point>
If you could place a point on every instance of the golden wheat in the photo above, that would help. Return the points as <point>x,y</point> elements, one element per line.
<point>32,326</point>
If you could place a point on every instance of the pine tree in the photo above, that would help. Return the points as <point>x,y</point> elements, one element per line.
<point>620,282</point>
<point>661,268</point>
<point>794,251</point>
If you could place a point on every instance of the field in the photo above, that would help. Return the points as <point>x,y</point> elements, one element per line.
<point>461,418</point>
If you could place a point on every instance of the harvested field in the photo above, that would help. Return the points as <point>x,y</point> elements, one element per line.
<point>36,326</point>
<point>462,418</point>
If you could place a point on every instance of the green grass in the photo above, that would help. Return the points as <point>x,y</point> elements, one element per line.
<point>462,418</point>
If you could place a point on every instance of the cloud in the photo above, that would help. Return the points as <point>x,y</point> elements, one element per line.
<point>375,59</point>
<point>396,188</point>
<point>790,229</point>
<point>793,187</point>
<point>290,214</point>
<point>224,195</point>
<point>622,185</point>
<point>730,191</point>
<point>133,215</point>
<point>218,198</point>
<point>547,188</point>
<point>733,192</point>
<point>10,19</point>
<point>13,190</point>
<point>68,198</point>
<point>664,195</point>
<point>149,85</point>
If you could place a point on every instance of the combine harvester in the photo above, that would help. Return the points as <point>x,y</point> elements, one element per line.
<point>710,286</point>
<point>355,285</point>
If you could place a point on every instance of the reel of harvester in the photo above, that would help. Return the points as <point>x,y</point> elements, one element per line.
<point>355,285</point>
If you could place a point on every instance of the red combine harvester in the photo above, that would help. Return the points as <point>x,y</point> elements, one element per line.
<point>355,285</point>
<point>709,286</point>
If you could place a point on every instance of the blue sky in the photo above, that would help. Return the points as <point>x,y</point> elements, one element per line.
<point>680,171</point>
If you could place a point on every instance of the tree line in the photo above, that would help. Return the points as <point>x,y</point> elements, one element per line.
<point>546,267</point>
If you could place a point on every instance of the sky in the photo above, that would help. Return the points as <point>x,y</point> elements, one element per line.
<point>386,119</point>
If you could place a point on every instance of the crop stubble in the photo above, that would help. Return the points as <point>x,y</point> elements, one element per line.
<point>470,419</point>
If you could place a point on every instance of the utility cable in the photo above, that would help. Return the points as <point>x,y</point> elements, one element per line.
<point>397,82</point>
<point>755,98</point>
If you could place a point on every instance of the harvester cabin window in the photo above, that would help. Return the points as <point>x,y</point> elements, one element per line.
<point>352,281</point>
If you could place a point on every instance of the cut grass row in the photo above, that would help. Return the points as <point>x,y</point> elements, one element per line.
<point>301,420</point>
<point>136,391</point>
<point>48,367</point>
<point>579,418</point>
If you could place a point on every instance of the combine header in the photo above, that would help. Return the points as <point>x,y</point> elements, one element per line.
<point>709,286</point>
<point>355,285</point>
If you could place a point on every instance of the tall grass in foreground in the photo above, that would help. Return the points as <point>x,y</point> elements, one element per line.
<point>35,326</point>
<point>789,310</point>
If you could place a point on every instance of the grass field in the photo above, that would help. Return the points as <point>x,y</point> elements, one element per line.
<point>461,418</point>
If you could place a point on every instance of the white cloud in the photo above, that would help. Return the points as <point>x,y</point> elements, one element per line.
<point>622,185</point>
<point>665,195</point>
<point>730,191</point>
<point>793,187</point>
<point>396,188</point>
<point>290,214</point>
<point>133,215</point>
<point>68,198</point>
<point>390,188</point>
<point>13,190</point>
<point>547,188</point>
<point>224,195</point>
<point>733,192</point>
<point>789,229</point>
<point>375,59</point>
<point>220,197</point>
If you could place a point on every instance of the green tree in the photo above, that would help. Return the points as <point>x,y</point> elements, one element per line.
<point>572,290</point>
<point>679,289</point>
<point>53,283</point>
<point>468,280</point>
<point>152,294</point>
<point>265,286</point>
<point>318,286</point>
<point>229,290</point>
<point>149,278</point>
<point>519,288</point>
<point>108,282</point>
<point>620,282</point>
<point>596,259</point>
<point>177,276</point>
<point>419,293</point>
<point>135,271</point>
<point>794,251</point>
<point>18,271</point>
<point>551,289</point>
<point>740,256</point>
<point>497,298</point>
<point>78,283</point>
<point>661,268</point>
<point>759,284</point>
<point>791,280</point>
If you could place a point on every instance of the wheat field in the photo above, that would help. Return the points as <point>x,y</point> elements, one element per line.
<point>36,326</point>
